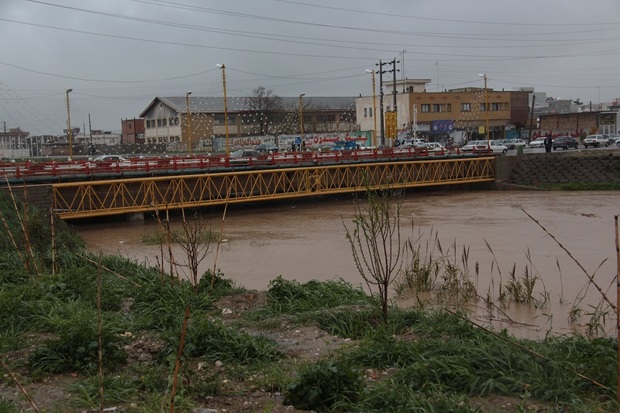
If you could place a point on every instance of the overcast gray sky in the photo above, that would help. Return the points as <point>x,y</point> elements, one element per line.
<point>117,55</point>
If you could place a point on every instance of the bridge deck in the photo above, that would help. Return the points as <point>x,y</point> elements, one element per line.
<point>122,196</point>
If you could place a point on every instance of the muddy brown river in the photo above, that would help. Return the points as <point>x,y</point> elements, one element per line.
<point>305,240</point>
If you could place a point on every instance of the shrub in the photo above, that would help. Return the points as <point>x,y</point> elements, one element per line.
<point>75,344</point>
<point>209,338</point>
<point>324,384</point>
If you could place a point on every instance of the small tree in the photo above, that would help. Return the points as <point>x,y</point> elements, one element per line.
<point>195,240</point>
<point>375,242</point>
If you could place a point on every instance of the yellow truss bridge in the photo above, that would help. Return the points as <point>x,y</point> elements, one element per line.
<point>150,194</point>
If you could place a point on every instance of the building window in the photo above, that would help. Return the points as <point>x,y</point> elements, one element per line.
<point>436,107</point>
<point>426,108</point>
<point>326,118</point>
<point>465,107</point>
<point>370,112</point>
<point>496,107</point>
<point>365,112</point>
<point>483,107</point>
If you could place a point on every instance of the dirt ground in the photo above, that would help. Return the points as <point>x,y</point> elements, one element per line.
<point>299,343</point>
<point>307,343</point>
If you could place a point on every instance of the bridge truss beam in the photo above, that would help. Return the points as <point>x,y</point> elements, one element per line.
<point>124,196</point>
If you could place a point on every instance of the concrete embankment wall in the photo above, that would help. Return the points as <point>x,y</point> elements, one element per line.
<point>559,167</point>
<point>38,196</point>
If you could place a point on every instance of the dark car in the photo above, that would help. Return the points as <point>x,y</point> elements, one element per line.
<point>267,147</point>
<point>565,142</point>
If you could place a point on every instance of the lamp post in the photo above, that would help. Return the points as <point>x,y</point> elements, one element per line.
<point>374,106</point>
<point>223,67</point>
<point>301,119</point>
<point>486,107</point>
<point>189,123</point>
<point>69,131</point>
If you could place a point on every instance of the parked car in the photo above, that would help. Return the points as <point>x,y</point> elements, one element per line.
<point>613,139</point>
<point>538,142</point>
<point>514,143</point>
<point>110,158</point>
<point>565,142</point>
<point>595,141</point>
<point>434,147</point>
<point>413,143</point>
<point>267,147</point>
<point>484,145</point>
<point>244,156</point>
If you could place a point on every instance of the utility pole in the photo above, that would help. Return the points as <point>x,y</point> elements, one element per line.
<point>380,64</point>
<point>381,72</point>
<point>91,149</point>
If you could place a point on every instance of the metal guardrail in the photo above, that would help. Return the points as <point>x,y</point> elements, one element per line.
<point>32,170</point>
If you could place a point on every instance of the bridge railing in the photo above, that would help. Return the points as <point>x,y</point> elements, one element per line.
<point>31,169</point>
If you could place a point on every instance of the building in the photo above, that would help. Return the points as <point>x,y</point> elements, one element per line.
<point>14,143</point>
<point>132,131</point>
<point>579,123</point>
<point>458,111</point>
<point>167,121</point>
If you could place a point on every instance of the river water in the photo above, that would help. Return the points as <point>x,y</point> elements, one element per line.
<point>305,240</point>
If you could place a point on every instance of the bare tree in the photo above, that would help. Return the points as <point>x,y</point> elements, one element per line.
<point>264,105</point>
<point>376,243</point>
<point>195,240</point>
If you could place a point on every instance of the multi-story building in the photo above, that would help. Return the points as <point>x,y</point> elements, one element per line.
<point>466,110</point>
<point>199,121</point>
<point>14,143</point>
<point>132,131</point>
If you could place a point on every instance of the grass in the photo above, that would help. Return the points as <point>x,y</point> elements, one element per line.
<point>421,359</point>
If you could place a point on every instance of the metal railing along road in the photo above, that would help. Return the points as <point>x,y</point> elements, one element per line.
<point>29,170</point>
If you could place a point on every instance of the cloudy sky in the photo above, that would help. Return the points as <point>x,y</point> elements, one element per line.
<point>117,55</point>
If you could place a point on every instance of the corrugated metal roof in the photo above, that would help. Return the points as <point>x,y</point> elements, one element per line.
<point>206,104</point>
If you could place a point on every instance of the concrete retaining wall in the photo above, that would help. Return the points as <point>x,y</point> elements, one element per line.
<point>38,196</point>
<point>559,167</point>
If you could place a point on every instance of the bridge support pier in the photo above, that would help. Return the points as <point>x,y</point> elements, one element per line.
<point>135,217</point>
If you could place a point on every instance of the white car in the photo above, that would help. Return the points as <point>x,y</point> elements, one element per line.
<point>109,158</point>
<point>433,147</point>
<point>514,143</point>
<point>595,141</point>
<point>484,145</point>
<point>538,142</point>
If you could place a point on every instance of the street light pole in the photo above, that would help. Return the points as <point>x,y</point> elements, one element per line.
<point>374,105</point>
<point>223,67</point>
<point>301,119</point>
<point>486,107</point>
<point>189,123</point>
<point>69,131</point>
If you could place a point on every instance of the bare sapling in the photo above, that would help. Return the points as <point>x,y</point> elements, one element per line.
<point>376,242</point>
<point>590,277</point>
<point>177,364</point>
<point>195,241</point>
<point>24,229</point>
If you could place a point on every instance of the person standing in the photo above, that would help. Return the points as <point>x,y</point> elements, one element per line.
<point>548,143</point>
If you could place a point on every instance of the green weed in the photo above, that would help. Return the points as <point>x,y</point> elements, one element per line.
<point>322,385</point>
